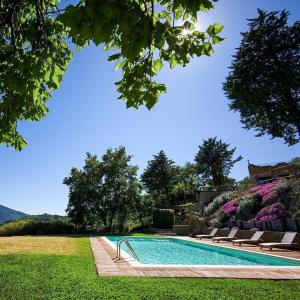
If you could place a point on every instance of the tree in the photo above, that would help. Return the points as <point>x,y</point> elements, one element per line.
<point>106,190</point>
<point>158,178</point>
<point>85,191</point>
<point>187,184</point>
<point>264,81</point>
<point>121,189</point>
<point>214,161</point>
<point>79,206</point>
<point>245,183</point>
<point>141,36</point>
<point>295,161</point>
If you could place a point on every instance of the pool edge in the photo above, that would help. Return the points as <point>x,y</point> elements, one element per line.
<point>138,264</point>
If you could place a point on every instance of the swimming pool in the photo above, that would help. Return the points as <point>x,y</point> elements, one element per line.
<point>173,251</point>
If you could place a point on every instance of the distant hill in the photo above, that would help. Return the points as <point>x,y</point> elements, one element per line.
<point>8,214</point>
<point>47,217</point>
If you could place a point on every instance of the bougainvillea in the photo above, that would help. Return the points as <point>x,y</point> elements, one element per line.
<point>268,191</point>
<point>260,203</point>
<point>271,213</point>
<point>230,207</point>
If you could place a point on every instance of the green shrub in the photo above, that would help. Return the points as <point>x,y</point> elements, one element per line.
<point>296,214</point>
<point>216,204</point>
<point>221,219</point>
<point>36,227</point>
<point>163,218</point>
<point>247,208</point>
<point>245,184</point>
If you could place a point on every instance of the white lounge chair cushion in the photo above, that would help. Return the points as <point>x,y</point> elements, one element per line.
<point>273,244</point>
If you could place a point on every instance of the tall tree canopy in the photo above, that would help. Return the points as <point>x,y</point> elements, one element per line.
<point>264,81</point>
<point>141,36</point>
<point>105,191</point>
<point>159,177</point>
<point>186,184</point>
<point>214,161</point>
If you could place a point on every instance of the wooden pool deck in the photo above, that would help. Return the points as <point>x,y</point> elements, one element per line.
<point>106,266</point>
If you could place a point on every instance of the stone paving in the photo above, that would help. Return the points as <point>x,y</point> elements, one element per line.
<point>104,256</point>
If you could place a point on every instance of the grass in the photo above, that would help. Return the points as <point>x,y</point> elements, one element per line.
<point>36,272</point>
<point>38,245</point>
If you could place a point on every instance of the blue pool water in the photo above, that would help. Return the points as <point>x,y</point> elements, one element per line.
<point>175,251</point>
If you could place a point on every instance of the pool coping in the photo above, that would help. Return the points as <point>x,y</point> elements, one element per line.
<point>104,252</point>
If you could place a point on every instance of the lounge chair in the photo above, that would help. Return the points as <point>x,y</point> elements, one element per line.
<point>286,241</point>
<point>254,240</point>
<point>207,236</point>
<point>230,236</point>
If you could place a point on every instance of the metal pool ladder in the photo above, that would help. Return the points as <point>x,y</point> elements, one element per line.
<point>119,243</point>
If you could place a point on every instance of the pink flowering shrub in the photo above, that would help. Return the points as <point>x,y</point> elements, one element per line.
<point>267,192</point>
<point>260,203</point>
<point>271,213</point>
<point>230,207</point>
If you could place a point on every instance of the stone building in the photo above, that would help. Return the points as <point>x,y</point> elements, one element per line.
<point>264,173</point>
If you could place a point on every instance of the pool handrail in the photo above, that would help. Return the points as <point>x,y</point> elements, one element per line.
<point>119,243</point>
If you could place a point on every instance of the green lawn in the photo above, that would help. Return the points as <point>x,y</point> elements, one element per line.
<point>39,273</point>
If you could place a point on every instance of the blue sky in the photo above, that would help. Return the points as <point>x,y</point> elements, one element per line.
<point>86,117</point>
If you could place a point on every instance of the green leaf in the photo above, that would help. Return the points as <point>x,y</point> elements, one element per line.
<point>208,49</point>
<point>157,65</point>
<point>20,143</point>
<point>163,14</point>
<point>114,56</point>
<point>216,39</point>
<point>118,66</point>
<point>47,75</point>
<point>209,30</point>
<point>173,61</point>
<point>178,13</point>
<point>150,100</point>
<point>160,44</point>
<point>217,28</point>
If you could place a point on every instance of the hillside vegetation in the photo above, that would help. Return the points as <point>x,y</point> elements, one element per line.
<point>36,227</point>
<point>256,203</point>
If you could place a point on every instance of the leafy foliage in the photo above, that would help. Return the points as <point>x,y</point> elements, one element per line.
<point>248,207</point>
<point>214,161</point>
<point>144,35</point>
<point>264,81</point>
<point>106,190</point>
<point>213,206</point>
<point>33,58</point>
<point>245,183</point>
<point>163,218</point>
<point>186,184</point>
<point>221,218</point>
<point>47,217</point>
<point>158,178</point>
<point>141,35</point>
<point>36,227</point>
<point>296,161</point>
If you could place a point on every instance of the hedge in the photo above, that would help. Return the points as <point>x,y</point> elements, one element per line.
<point>36,227</point>
<point>163,218</point>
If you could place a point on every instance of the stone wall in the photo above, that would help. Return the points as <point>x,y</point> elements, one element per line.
<point>182,229</point>
<point>205,197</point>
